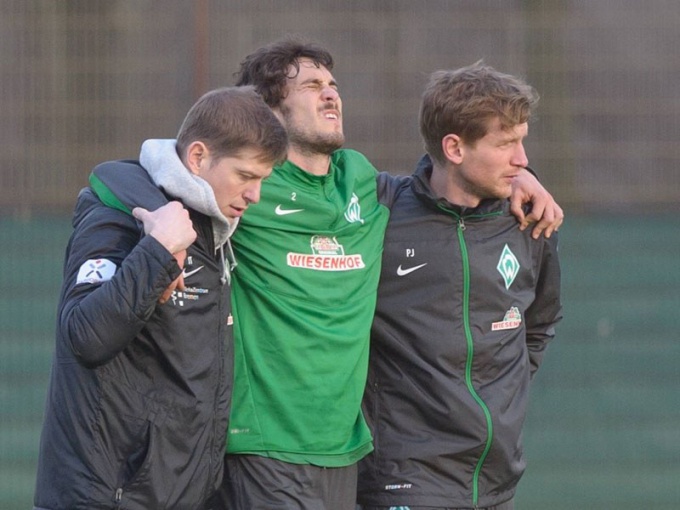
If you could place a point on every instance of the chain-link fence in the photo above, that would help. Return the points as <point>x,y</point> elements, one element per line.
<point>82,81</point>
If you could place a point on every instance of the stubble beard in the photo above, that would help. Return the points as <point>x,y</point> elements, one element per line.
<point>312,144</point>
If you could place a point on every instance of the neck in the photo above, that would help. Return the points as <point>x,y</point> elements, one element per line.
<point>445,185</point>
<point>315,164</point>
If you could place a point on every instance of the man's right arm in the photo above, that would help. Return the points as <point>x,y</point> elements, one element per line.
<point>112,282</point>
<point>125,185</point>
<point>101,312</point>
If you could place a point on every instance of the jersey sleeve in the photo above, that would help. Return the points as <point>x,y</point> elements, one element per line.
<point>124,185</point>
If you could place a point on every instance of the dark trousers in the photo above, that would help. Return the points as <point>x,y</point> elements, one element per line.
<point>252,482</point>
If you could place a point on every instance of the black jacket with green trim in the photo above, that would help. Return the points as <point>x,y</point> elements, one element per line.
<point>466,305</point>
<point>138,402</point>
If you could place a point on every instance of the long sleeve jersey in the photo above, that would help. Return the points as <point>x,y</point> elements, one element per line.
<point>304,295</point>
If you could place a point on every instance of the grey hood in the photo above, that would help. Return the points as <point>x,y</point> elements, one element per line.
<point>160,159</point>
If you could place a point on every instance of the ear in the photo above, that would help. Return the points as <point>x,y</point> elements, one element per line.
<point>452,146</point>
<point>197,157</point>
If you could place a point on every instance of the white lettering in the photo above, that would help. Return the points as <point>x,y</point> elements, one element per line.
<point>326,262</point>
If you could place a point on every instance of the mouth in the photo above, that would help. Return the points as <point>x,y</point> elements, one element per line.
<point>331,114</point>
<point>237,212</point>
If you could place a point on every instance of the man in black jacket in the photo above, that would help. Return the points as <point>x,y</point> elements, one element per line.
<point>138,403</point>
<point>466,305</point>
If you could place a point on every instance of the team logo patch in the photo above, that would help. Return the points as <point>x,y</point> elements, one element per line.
<point>96,271</point>
<point>508,266</point>
<point>353,212</point>
<point>511,320</point>
<point>327,255</point>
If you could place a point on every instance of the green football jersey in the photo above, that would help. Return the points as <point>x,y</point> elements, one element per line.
<point>304,294</point>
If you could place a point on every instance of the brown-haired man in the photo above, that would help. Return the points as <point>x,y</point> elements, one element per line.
<point>138,403</point>
<point>297,429</point>
<point>304,294</point>
<point>466,305</point>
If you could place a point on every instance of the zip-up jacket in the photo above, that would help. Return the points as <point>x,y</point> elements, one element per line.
<point>138,402</point>
<point>466,305</point>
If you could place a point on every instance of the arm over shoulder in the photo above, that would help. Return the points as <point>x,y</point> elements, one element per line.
<point>124,185</point>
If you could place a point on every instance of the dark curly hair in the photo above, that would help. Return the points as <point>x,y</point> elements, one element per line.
<point>267,69</point>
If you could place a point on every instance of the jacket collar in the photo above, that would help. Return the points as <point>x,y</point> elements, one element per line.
<point>422,189</point>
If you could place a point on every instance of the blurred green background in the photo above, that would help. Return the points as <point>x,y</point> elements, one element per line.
<point>602,431</point>
<point>84,81</point>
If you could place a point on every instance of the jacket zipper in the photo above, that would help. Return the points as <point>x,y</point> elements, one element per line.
<point>228,263</point>
<point>469,359</point>
<point>118,498</point>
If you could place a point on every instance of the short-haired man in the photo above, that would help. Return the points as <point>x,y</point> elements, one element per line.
<point>138,403</point>
<point>466,305</point>
<point>304,294</point>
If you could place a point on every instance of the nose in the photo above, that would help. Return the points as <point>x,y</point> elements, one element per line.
<point>330,94</point>
<point>252,193</point>
<point>519,158</point>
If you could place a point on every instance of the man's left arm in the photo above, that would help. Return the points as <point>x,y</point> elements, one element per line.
<point>546,310</point>
<point>545,212</point>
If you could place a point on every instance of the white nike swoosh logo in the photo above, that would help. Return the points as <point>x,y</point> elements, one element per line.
<point>186,274</point>
<point>283,212</point>
<point>404,272</point>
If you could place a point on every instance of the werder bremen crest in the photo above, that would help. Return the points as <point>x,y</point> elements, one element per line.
<point>353,212</point>
<point>508,266</point>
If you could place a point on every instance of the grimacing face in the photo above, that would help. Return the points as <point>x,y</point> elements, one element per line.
<point>312,110</point>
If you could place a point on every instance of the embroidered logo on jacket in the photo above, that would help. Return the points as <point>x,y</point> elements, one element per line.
<point>403,271</point>
<point>181,298</point>
<point>511,320</point>
<point>189,294</point>
<point>186,274</point>
<point>96,271</point>
<point>353,212</point>
<point>327,255</point>
<point>508,266</point>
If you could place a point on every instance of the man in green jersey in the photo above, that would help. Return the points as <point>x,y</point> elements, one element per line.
<point>304,293</point>
<point>304,296</point>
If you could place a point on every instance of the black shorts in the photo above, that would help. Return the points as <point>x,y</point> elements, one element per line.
<point>252,482</point>
<point>508,505</point>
